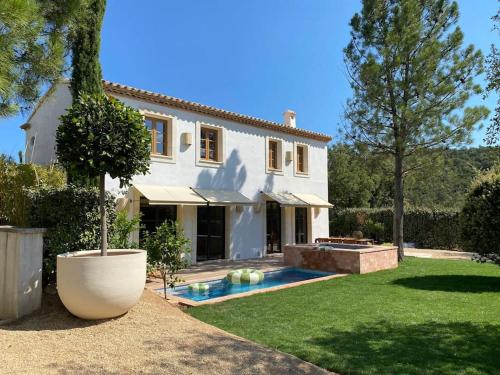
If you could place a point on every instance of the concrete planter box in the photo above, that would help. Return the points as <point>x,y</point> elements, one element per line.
<point>96,287</point>
<point>342,259</point>
<point>21,252</point>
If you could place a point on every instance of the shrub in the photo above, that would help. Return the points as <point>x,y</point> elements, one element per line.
<point>71,216</point>
<point>15,180</point>
<point>480,217</point>
<point>166,248</point>
<point>428,228</point>
<point>121,230</point>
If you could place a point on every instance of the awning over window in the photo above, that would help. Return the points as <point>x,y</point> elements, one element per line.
<point>313,200</point>
<point>170,195</point>
<point>286,199</point>
<point>224,197</point>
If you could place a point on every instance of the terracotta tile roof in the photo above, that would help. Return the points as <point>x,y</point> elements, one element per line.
<point>118,89</point>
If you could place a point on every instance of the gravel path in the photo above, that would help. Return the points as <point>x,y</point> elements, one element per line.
<point>153,338</point>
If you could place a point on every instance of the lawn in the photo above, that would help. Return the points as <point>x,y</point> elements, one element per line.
<point>426,317</point>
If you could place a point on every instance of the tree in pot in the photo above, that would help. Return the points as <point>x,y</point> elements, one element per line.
<point>101,136</point>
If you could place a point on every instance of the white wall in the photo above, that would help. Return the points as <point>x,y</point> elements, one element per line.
<point>243,170</point>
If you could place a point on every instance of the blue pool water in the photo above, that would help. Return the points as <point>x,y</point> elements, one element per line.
<point>220,288</point>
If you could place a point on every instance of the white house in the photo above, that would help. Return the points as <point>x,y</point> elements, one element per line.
<point>241,187</point>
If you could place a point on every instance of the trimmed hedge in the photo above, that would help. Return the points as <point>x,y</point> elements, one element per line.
<point>427,228</point>
<point>71,216</point>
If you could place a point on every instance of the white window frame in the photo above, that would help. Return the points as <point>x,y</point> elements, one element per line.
<point>281,162</point>
<point>296,172</point>
<point>221,145</point>
<point>172,144</point>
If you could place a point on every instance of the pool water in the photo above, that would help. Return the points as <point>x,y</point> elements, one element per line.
<point>221,288</point>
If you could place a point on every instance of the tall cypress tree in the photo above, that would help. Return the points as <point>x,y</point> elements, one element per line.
<point>86,75</point>
<point>411,79</point>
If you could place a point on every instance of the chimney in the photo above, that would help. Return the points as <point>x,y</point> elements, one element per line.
<point>289,117</point>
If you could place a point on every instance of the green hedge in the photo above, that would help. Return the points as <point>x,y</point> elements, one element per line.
<point>15,179</point>
<point>427,228</point>
<point>71,216</point>
<point>480,216</point>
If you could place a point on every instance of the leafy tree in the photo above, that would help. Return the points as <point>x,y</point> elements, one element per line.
<point>33,41</point>
<point>480,217</point>
<point>493,75</point>
<point>86,43</point>
<point>100,135</point>
<point>166,249</point>
<point>411,79</point>
<point>355,178</point>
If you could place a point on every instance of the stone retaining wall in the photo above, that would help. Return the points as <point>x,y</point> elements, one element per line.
<point>365,260</point>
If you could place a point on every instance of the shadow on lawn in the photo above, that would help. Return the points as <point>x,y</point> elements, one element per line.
<point>452,283</point>
<point>430,348</point>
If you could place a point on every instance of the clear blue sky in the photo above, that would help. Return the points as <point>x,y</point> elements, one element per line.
<point>256,57</point>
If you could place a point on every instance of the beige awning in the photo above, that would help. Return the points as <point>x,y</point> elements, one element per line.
<point>224,197</point>
<point>286,199</point>
<point>313,200</point>
<point>156,195</point>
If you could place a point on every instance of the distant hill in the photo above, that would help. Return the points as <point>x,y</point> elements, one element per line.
<point>358,178</point>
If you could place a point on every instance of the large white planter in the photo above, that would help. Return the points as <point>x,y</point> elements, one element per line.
<point>96,287</point>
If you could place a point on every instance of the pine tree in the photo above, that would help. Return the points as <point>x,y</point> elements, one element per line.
<point>411,79</point>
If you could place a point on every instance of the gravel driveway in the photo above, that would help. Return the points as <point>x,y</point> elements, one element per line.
<point>153,338</point>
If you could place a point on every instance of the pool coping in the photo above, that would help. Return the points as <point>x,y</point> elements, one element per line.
<point>190,303</point>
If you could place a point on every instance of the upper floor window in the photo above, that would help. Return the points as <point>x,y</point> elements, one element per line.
<point>159,130</point>
<point>301,159</point>
<point>273,155</point>
<point>209,144</point>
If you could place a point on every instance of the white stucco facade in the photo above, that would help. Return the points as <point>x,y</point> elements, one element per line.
<point>243,167</point>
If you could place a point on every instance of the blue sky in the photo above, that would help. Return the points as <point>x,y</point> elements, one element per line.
<point>256,57</point>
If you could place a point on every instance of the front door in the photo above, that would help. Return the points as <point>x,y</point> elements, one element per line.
<point>273,225</point>
<point>300,225</point>
<point>210,242</point>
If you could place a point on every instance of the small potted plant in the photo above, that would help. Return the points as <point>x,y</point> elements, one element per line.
<point>101,136</point>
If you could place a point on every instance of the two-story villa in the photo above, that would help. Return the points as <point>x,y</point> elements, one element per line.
<point>241,187</point>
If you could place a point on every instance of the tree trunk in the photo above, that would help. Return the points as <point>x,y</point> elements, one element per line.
<point>164,277</point>
<point>102,209</point>
<point>398,206</point>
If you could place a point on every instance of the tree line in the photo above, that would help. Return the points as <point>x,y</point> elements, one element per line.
<point>360,178</point>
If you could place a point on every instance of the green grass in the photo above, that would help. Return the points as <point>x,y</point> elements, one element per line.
<point>426,317</point>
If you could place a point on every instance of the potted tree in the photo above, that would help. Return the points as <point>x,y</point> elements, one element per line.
<point>101,136</point>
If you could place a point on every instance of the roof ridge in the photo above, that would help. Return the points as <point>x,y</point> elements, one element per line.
<point>118,88</point>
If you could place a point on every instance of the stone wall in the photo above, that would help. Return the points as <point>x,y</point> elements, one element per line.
<point>367,260</point>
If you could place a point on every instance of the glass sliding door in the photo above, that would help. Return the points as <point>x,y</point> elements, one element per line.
<point>300,225</point>
<point>210,240</point>
<point>273,225</point>
<point>153,216</point>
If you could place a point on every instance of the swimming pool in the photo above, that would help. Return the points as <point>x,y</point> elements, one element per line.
<point>222,288</point>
